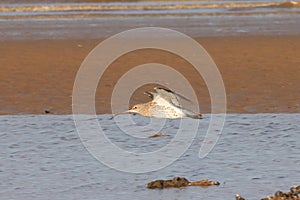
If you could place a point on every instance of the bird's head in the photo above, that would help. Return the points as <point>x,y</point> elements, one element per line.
<point>136,109</point>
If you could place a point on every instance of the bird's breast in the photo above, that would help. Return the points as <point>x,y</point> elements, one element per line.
<point>159,111</point>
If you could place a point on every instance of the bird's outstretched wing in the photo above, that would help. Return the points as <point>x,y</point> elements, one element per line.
<point>164,96</point>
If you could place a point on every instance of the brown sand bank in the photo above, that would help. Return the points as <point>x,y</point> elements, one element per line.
<point>260,73</point>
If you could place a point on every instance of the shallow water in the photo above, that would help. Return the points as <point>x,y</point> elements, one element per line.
<point>61,19</point>
<point>42,157</point>
<point>60,9</point>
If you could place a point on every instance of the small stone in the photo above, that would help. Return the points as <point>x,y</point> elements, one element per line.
<point>157,135</point>
<point>159,184</point>
<point>295,189</point>
<point>204,183</point>
<point>179,182</point>
<point>278,194</point>
<point>238,197</point>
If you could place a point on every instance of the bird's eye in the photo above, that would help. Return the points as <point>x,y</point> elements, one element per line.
<point>135,107</point>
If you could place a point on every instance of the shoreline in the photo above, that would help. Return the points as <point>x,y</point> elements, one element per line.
<point>104,27</point>
<point>260,74</point>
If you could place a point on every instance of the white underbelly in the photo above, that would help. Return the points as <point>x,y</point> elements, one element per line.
<point>167,112</point>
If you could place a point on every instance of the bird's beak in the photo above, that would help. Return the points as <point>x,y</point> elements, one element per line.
<point>120,113</point>
<point>125,112</point>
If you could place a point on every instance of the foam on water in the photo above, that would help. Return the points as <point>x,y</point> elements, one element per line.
<point>41,157</point>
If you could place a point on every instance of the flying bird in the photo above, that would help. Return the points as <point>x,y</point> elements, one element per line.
<point>165,104</point>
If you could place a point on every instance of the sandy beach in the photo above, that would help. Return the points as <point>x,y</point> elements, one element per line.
<point>260,73</point>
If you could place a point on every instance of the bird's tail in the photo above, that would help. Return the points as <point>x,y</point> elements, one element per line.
<point>193,115</point>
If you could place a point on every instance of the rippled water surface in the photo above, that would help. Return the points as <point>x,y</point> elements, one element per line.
<point>94,19</point>
<point>42,157</point>
<point>59,9</point>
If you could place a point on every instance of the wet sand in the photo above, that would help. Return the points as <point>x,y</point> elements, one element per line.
<point>260,73</point>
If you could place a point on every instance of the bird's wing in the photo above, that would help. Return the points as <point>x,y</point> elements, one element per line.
<point>152,95</point>
<point>165,95</point>
<point>158,99</point>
